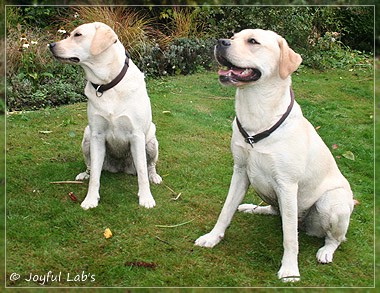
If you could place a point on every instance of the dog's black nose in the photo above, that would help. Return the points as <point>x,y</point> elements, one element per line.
<point>224,42</point>
<point>52,45</point>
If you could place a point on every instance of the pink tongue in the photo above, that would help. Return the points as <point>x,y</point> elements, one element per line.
<point>235,71</point>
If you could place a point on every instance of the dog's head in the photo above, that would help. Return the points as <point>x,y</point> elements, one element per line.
<point>85,43</point>
<point>253,55</point>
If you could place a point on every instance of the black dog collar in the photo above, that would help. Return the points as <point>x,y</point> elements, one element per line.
<point>256,138</point>
<point>102,88</point>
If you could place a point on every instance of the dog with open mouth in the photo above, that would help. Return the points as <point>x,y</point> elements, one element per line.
<point>278,151</point>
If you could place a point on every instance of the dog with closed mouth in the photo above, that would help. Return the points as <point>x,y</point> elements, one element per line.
<point>278,151</point>
<point>120,136</point>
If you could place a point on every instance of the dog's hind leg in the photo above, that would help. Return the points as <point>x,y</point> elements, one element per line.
<point>86,153</point>
<point>152,158</point>
<point>329,218</point>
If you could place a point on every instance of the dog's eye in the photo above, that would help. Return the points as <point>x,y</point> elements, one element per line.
<point>77,34</point>
<point>253,41</point>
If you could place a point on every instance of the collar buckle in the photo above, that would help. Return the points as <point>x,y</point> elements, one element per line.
<point>97,92</point>
<point>250,140</point>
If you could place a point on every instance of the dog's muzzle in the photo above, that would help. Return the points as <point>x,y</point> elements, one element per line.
<point>53,49</point>
<point>233,74</point>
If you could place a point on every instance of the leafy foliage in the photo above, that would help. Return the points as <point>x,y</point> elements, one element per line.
<point>172,40</point>
<point>21,94</point>
<point>183,56</point>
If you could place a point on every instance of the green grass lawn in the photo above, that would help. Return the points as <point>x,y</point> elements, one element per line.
<point>46,231</point>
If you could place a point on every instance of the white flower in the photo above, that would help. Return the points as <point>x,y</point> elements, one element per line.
<point>23,39</point>
<point>34,42</point>
<point>61,31</point>
<point>26,45</point>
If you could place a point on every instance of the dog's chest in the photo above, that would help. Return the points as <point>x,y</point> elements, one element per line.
<point>118,135</point>
<point>117,128</point>
<point>260,173</point>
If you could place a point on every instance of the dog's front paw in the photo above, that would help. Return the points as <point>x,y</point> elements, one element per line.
<point>147,201</point>
<point>325,254</point>
<point>82,176</point>
<point>289,274</point>
<point>155,178</point>
<point>90,202</point>
<point>209,240</point>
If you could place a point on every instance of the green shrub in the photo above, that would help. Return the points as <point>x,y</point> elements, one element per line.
<point>182,56</point>
<point>152,61</point>
<point>330,52</point>
<point>168,41</point>
<point>185,56</point>
<point>305,28</point>
<point>51,92</point>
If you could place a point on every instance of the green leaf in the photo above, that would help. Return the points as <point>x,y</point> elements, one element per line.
<point>33,75</point>
<point>349,155</point>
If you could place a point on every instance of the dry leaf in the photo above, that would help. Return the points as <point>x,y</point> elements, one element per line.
<point>73,197</point>
<point>107,233</point>
<point>334,146</point>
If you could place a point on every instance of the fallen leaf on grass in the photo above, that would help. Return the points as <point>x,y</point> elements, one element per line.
<point>334,146</point>
<point>107,233</point>
<point>349,155</point>
<point>45,131</point>
<point>356,202</point>
<point>73,197</point>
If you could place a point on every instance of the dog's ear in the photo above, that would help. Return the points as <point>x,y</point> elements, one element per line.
<point>103,39</point>
<point>289,60</point>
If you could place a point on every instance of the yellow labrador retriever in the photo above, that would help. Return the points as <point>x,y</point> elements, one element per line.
<point>278,151</point>
<point>120,135</point>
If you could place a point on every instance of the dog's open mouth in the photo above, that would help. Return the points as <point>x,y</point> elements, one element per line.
<point>239,74</point>
<point>234,74</point>
<point>70,60</point>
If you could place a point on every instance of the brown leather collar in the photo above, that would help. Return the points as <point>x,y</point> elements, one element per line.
<point>104,87</point>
